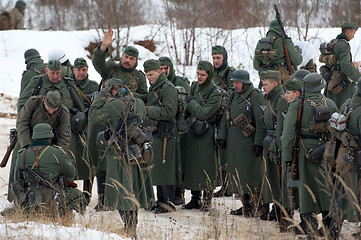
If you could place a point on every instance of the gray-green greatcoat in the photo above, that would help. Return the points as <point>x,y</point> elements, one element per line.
<point>343,55</point>
<point>131,77</point>
<point>83,168</point>
<point>200,164</point>
<point>52,163</point>
<point>225,75</point>
<point>163,105</point>
<point>347,202</point>
<point>34,67</point>
<point>127,184</point>
<point>242,162</point>
<point>274,114</point>
<point>313,194</point>
<point>32,113</point>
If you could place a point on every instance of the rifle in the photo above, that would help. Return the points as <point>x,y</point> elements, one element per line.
<point>296,146</point>
<point>284,36</point>
<point>13,141</point>
<point>42,180</point>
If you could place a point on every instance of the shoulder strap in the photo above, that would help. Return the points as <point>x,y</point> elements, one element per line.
<point>36,89</point>
<point>222,83</point>
<point>210,93</point>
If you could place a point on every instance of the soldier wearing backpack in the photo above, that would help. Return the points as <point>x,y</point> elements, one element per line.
<point>346,197</point>
<point>167,68</point>
<point>13,19</point>
<point>270,55</point>
<point>200,164</point>
<point>314,181</point>
<point>338,59</point>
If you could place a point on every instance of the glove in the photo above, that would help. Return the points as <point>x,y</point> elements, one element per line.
<point>258,150</point>
<point>104,91</point>
<point>221,143</point>
<point>189,98</point>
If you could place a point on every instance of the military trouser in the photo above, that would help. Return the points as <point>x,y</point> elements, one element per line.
<point>87,188</point>
<point>165,193</point>
<point>101,189</point>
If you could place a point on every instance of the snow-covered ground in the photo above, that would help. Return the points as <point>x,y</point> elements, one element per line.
<point>183,224</point>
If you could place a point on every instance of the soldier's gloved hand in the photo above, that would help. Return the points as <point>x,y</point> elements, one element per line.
<point>189,98</point>
<point>258,150</point>
<point>104,91</point>
<point>221,143</point>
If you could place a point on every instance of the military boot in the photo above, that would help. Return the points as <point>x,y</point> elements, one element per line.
<point>87,189</point>
<point>308,225</point>
<point>273,215</point>
<point>326,221</point>
<point>101,188</point>
<point>179,195</point>
<point>247,209</point>
<point>130,220</point>
<point>195,202</point>
<point>167,205</point>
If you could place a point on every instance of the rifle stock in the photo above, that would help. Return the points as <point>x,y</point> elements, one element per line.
<point>284,36</point>
<point>296,146</point>
<point>13,141</point>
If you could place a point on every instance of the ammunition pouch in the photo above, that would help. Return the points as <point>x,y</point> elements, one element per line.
<point>244,125</point>
<point>198,127</point>
<point>268,139</point>
<point>151,124</point>
<point>316,155</point>
<point>165,129</point>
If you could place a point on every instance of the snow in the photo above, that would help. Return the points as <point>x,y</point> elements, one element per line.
<point>183,224</point>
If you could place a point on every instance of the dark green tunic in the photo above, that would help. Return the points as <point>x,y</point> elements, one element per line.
<point>313,193</point>
<point>242,162</point>
<point>163,105</point>
<point>200,164</point>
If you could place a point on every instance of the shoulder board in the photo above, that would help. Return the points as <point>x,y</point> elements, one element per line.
<point>69,79</point>
<point>183,78</point>
<point>258,90</point>
<point>111,99</point>
<point>139,71</point>
<point>64,108</point>
<point>58,147</point>
<point>232,69</point>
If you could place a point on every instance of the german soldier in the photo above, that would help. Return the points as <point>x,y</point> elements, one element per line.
<point>313,172</point>
<point>343,73</point>
<point>34,66</point>
<point>125,69</point>
<point>274,115</point>
<point>50,163</point>
<point>127,187</point>
<point>200,164</point>
<point>242,126</point>
<point>162,107</point>
<point>167,68</point>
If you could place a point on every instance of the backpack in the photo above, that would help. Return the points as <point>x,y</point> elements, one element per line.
<point>5,20</point>
<point>327,56</point>
<point>265,52</point>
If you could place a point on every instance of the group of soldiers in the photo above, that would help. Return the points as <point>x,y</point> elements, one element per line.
<point>266,146</point>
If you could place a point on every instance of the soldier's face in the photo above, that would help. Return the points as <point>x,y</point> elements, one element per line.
<point>217,60</point>
<point>165,70</point>
<point>201,76</point>
<point>80,73</point>
<point>290,95</point>
<point>50,110</point>
<point>128,61</point>
<point>268,85</point>
<point>238,86</point>
<point>54,76</point>
<point>153,75</point>
<point>350,33</point>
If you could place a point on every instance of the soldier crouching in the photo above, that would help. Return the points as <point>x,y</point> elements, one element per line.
<point>41,177</point>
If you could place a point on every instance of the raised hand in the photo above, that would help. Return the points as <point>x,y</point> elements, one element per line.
<point>107,40</point>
